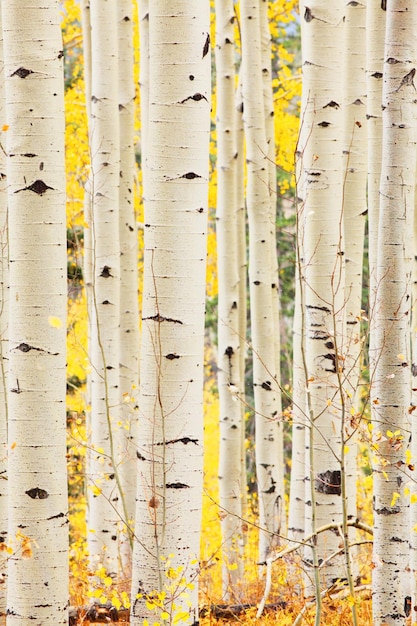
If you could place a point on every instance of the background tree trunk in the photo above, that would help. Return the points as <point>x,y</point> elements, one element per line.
<point>232,481</point>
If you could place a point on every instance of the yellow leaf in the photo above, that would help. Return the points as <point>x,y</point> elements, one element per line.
<point>5,127</point>
<point>181,616</point>
<point>164,615</point>
<point>108,581</point>
<point>116,602</point>
<point>55,322</point>
<point>395,497</point>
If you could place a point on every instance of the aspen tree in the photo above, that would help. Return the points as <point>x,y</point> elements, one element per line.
<point>354,216</point>
<point>169,488</point>
<point>104,489</point>
<point>129,304</point>
<point>4,330</point>
<point>232,481</point>
<point>266,55</point>
<point>261,281</point>
<point>375,38</point>
<point>299,466</point>
<point>37,586</point>
<point>243,270</point>
<point>323,272</point>
<point>391,391</point>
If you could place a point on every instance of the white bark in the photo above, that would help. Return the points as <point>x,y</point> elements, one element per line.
<point>168,512</point>
<point>375,37</point>
<point>37,246</point>
<point>232,482</point>
<point>243,269</point>
<point>391,392</point>
<point>4,331</point>
<point>354,213</point>
<point>261,282</point>
<point>323,250</point>
<point>104,494</point>
<point>129,304</point>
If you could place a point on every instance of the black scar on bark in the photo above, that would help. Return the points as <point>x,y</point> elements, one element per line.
<point>25,347</point>
<point>140,456</point>
<point>161,318</point>
<point>105,272</point>
<point>308,16</point>
<point>38,187</point>
<point>37,493</point>
<point>323,124</point>
<point>384,5</point>
<point>183,440</point>
<point>22,72</point>
<point>329,482</point>
<point>267,385</point>
<point>408,79</point>
<point>190,176</point>
<point>196,97</point>
<point>172,356</point>
<point>332,104</point>
<point>206,46</point>
<point>56,516</point>
<point>177,485</point>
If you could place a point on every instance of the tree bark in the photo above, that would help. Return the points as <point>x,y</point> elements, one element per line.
<point>37,478</point>
<point>168,511</point>
<point>391,391</point>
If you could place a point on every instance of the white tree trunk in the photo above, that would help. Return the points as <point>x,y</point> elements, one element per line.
<point>261,282</point>
<point>375,37</point>
<point>168,512</point>
<point>243,270</point>
<point>355,210</point>
<point>323,267</point>
<point>391,391</point>
<point>104,479</point>
<point>37,245</point>
<point>129,302</point>
<point>4,332</point>
<point>232,482</point>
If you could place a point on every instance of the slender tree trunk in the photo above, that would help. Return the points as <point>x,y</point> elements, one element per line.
<point>104,488</point>
<point>243,272</point>
<point>354,213</point>
<point>4,332</point>
<point>375,37</point>
<point>168,512</point>
<point>231,481</point>
<point>129,302</point>
<point>261,282</point>
<point>37,475</point>
<point>323,273</point>
<point>391,392</point>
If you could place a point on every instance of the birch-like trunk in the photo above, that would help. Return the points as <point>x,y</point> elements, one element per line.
<point>391,391</point>
<point>323,273</point>
<point>103,473</point>
<point>354,214</point>
<point>232,482</point>
<point>129,302</point>
<point>38,524</point>
<point>375,38</point>
<point>168,512</point>
<point>4,331</point>
<point>261,283</point>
